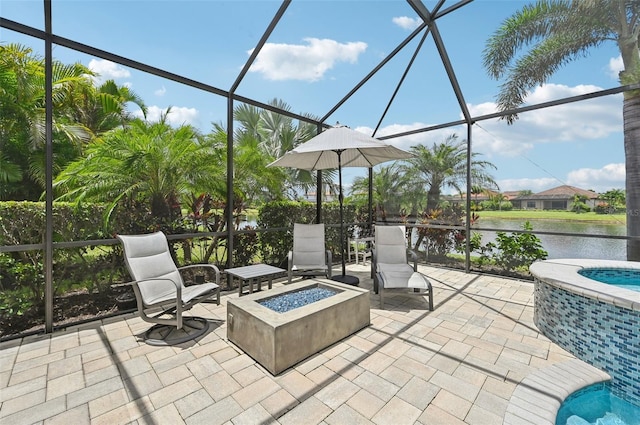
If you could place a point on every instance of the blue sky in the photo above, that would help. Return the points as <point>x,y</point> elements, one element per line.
<point>321,49</point>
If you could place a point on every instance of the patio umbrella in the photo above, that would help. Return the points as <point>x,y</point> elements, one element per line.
<point>339,147</point>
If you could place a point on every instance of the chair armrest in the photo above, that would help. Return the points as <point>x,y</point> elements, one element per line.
<point>141,301</point>
<point>329,261</point>
<point>211,266</point>
<point>413,257</point>
<point>135,282</point>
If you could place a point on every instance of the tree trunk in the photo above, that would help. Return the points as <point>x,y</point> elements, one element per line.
<point>159,207</point>
<point>433,198</point>
<point>631,118</point>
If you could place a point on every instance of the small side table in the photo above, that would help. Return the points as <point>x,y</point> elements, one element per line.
<point>356,242</point>
<point>256,272</point>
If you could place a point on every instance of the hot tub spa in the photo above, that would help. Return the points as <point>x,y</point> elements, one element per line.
<point>597,322</point>
<point>280,340</point>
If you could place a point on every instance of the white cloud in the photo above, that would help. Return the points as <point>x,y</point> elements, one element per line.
<point>615,66</point>
<point>534,185</point>
<point>610,176</point>
<point>308,62</point>
<point>178,115</point>
<point>160,92</point>
<point>602,179</point>
<point>107,70</point>
<point>426,138</point>
<point>407,23</point>
<point>579,121</point>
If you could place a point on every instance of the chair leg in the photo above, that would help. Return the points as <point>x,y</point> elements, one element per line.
<point>378,286</point>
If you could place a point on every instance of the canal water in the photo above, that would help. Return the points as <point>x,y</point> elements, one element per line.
<point>566,246</point>
<point>560,246</point>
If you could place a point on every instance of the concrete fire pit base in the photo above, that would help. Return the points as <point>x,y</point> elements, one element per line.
<point>280,340</point>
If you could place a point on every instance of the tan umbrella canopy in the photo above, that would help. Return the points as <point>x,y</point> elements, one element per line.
<point>339,147</point>
<point>355,150</point>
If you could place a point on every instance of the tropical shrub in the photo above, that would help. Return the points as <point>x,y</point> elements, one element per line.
<point>580,207</point>
<point>511,251</point>
<point>438,242</point>
<point>279,217</point>
<point>607,208</point>
<point>245,246</point>
<point>499,205</point>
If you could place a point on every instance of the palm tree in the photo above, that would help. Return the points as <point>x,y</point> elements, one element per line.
<point>101,109</point>
<point>615,197</point>
<point>257,182</point>
<point>445,166</point>
<point>557,32</point>
<point>276,134</point>
<point>475,191</point>
<point>496,199</point>
<point>22,118</point>
<point>148,162</point>
<point>80,112</point>
<point>390,185</point>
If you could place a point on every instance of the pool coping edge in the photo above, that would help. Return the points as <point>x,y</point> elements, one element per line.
<point>540,394</point>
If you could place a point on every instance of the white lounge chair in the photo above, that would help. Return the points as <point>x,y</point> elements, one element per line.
<point>309,256</point>
<point>160,289</point>
<point>390,266</point>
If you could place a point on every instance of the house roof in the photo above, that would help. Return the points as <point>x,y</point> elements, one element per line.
<point>511,194</point>
<point>561,192</point>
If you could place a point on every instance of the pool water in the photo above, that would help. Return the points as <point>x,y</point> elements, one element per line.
<point>623,278</point>
<point>596,405</point>
<point>291,300</point>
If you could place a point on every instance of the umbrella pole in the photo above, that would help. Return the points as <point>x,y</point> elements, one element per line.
<point>344,278</point>
<point>341,200</point>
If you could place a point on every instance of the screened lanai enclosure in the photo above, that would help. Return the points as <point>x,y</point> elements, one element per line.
<point>131,117</point>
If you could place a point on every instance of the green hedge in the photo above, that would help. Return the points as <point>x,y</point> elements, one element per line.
<point>94,270</point>
<point>276,244</point>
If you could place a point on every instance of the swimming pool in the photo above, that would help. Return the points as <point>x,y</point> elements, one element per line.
<point>595,321</point>
<point>596,404</point>
<point>622,278</point>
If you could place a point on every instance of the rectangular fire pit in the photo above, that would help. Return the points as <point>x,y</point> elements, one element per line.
<point>280,340</point>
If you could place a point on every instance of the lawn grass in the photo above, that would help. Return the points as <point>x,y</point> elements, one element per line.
<point>554,215</point>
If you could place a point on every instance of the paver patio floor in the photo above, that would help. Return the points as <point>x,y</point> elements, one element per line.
<point>458,364</point>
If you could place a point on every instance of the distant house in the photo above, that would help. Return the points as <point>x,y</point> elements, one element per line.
<point>558,198</point>
<point>327,196</point>
<point>478,198</point>
<point>510,195</point>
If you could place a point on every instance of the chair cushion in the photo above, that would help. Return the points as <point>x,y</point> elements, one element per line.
<point>298,267</point>
<point>308,246</point>
<point>188,294</point>
<point>401,277</point>
<point>148,258</point>
<point>391,244</point>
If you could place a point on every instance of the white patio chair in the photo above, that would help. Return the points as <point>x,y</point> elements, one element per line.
<point>160,290</point>
<point>390,266</point>
<point>359,248</point>
<point>309,256</point>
